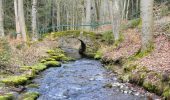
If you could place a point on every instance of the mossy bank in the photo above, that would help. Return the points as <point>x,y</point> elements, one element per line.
<point>54,59</point>
<point>128,71</point>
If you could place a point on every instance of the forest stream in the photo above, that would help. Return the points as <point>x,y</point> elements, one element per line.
<point>84,79</point>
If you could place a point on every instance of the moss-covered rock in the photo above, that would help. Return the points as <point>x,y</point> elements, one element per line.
<point>38,67</point>
<point>7,97</point>
<point>29,96</point>
<point>52,64</point>
<point>49,59</point>
<point>43,61</point>
<point>58,55</point>
<point>33,86</point>
<point>15,80</point>
<point>19,79</point>
<point>98,54</point>
<point>55,52</point>
<point>61,57</point>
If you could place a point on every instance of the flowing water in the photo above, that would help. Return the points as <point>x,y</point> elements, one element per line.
<point>84,79</point>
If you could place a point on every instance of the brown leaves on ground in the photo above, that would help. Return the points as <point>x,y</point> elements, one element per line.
<point>159,59</point>
<point>128,47</point>
<point>22,54</point>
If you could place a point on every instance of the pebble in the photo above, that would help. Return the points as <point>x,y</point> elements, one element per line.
<point>136,94</point>
<point>125,92</point>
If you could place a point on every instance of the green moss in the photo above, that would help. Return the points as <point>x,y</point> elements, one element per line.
<point>109,67</point>
<point>15,80</point>
<point>61,57</point>
<point>49,59</point>
<point>33,85</point>
<point>125,77</point>
<point>149,86</point>
<point>29,96</point>
<point>98,55</point>
<point>164,11</point>
<point>38,67</point>
<point>50,51</point>
<point>52,64</point>
<point>57,54</point>
<point>43,61</point>
<point>166,93</point>
<point>18,80</point>
<point>5,53</point>
<point>6,97</point>
<point>134,23</point>
<point>141,54</point>
<point>117,42</point>
<point>138,78</point>
<point>129,68</point>
<point>160,88</point>
<point>65,33</point>
<point>108,37</point>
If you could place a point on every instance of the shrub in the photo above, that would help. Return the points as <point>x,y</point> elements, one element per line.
<point>4,52</point>
<point>164,11</point>
<point>134,23</point>
<point>166,93</point>
<point>108,37</point>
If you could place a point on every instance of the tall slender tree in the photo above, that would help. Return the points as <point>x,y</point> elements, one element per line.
<point>16,18</point>
<point>147,23</point>
<point>34,20</point>
<point>1,20</point>
<point>116,18</point>
<point>88,13</point>
<point>22,19</point>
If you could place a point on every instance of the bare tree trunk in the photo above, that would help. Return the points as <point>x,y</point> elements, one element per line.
<point>147,23</point>
<point>34,20</point>
<point>22,19</point>
<point>127,9</point>
<point>53,14</point>
<point>116,18</point>
<point>1,20</point>
<point>88,14</point>
<point>18,31</point>
<point>124,9</point>
<point>58,15</point>
<point>97,6</point>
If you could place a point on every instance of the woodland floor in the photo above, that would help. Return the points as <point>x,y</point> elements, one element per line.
<point>158,60</point>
